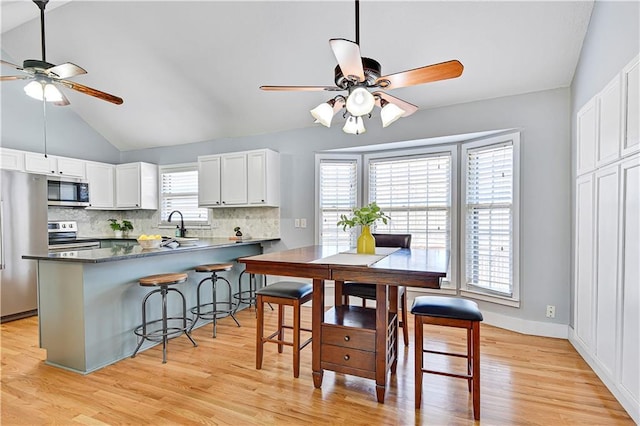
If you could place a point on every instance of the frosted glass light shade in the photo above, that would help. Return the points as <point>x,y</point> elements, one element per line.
<point>323,114</point>
<point>354,126</point>
<point>38,90</point>
<point>360,102</point>
<point>390,113</point>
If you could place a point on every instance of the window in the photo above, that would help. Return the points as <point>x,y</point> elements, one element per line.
<point>416,194</point>
<point>338,194</point>
<point>490,217</point>
<point>179,191</point>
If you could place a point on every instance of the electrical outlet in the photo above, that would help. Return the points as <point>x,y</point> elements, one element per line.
<point>551,311</point>
<point>303,223</point>
<point>296,223</point>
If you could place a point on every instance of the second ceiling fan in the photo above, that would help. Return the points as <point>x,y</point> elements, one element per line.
<point>357,74</point>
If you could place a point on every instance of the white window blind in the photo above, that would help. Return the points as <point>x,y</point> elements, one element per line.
<point>416,194</point>
<point>489,201</point>
<point>179,191</point>
<point>338,195</point>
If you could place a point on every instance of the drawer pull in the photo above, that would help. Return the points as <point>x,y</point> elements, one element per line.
<point>347,338</point>
<point>346,357</point>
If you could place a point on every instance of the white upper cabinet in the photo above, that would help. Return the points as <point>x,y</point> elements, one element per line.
<point>209,181</point>
<point>263,177</point>
<point>70,167</point>
<point>137,186</point>
<point>631,107</point>
<point>239,179</point>
<point>233,179</point>
<point>587,137</point>
<point>609,103</point>
<point>101,185</point>
<point>11,159</point>
<point>53,165</point>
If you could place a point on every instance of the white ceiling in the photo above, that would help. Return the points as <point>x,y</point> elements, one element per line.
<point>190,71</point>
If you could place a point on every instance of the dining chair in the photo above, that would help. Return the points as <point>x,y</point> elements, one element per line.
<point>367,291</point>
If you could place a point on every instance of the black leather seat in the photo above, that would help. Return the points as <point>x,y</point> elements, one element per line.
<point>367,291</point>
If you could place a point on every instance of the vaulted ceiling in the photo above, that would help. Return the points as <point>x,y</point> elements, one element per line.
<point>190,71</point>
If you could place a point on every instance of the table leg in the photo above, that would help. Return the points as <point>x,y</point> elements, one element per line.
<point>393,309</point>
<point>316,327</point>
<point>338,293</point>
<point>381,341</point>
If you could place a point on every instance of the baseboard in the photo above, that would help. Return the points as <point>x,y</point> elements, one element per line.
<point>519,325</point>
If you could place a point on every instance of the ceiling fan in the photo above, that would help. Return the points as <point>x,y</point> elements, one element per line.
<point>357,74</point>
<point>47,76</point>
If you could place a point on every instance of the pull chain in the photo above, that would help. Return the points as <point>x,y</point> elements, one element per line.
<point>44,122</point>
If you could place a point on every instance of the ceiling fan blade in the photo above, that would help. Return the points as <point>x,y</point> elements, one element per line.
<point>11,65</point>
<point>347,55</point>
<point>91,92</point>
<point>300,88</point>
<point>404,105</point>
<point>14,77</point>
<point>441,71</point>
<point>65,70</point>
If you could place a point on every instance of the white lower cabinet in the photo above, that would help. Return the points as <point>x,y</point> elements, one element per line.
<point>607,277</point>
<point>101,185</point>
<point>137,186</point>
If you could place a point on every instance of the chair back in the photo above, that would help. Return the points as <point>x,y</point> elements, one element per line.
<point>393,240</point>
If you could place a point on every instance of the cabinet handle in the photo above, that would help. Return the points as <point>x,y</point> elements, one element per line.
<point>347,338</point>
<point>346,357</point>
<point>224,202</point>
<point>262,201</point>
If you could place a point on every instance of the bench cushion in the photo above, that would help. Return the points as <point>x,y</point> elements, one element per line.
<point>287,289</point>
<point>446,307</point>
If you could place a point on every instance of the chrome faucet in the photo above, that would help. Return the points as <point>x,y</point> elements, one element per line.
<point>183,230</point>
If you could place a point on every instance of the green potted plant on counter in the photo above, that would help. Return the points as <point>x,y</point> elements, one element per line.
<point>365,217</point>
<point>121,229</point>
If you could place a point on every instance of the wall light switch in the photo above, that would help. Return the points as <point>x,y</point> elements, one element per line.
<point>296,223</point>
<point>303,223</point>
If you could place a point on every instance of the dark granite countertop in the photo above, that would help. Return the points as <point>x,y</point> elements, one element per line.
<point>135,251</point>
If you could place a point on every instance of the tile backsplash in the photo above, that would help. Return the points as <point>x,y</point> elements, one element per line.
<point>258,222</point>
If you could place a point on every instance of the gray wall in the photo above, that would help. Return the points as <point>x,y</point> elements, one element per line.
<point>612,41</point>
<point>68,135</point>
<point>543,118</point>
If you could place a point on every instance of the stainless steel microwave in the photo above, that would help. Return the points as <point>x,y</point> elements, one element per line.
<point>67,192</point>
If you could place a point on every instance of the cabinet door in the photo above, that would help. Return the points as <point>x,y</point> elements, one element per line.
<point>101,185</point>
<point>630,276</point>
<point>70,167</point>
<point>631,107</point>
<point>257,177</point>
<point>606,243</point>
<point>11,159</point>
<point>234,179</point>
<point>38,163</point>
<point>587,136</point>
<point>584,293</point>
<point>608,146</point>
<point>128,185</point>
<point>209,181</point>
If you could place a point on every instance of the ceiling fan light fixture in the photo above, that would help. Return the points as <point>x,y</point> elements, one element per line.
<point>323,113</point>
<point>354,126</point>
<point>42,90</point>
<point>390,113</point>
<point>360,102</point>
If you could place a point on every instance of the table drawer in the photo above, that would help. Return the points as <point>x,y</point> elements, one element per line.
<point>348,357</point>
<point>349,337</point>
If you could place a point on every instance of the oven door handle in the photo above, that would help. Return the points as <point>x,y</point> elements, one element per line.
<point>74,246</point>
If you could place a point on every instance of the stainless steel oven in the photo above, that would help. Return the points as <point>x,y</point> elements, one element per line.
<point>63,236</point>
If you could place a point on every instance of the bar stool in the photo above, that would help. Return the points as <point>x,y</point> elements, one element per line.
<point>214,312</point>
<point>246,296</point>
<point>449,312</point>
<point>283,293</point>
<point>167,331</point>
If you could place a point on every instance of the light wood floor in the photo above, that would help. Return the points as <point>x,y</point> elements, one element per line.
<point>525,380</point>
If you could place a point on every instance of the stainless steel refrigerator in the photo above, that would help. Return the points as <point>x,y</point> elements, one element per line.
<point>23,230</point>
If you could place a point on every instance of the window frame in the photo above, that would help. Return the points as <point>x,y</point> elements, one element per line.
<point>174,168</point>
<point>465,288</point>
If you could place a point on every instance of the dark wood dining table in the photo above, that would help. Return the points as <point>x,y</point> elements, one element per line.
<point>352,339</point>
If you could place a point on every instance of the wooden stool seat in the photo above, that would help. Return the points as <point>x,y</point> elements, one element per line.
<point>284,293</point>
<point>159,279</point>
<point>449,312</point>
<point>215,267</point>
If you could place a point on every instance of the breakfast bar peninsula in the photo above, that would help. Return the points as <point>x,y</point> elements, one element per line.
<point>89,300</point>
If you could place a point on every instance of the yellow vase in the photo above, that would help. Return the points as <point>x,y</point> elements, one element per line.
<point>366,242</point>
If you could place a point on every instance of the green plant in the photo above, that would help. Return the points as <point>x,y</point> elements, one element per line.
<point>124,226</point>
<point>363,216</point>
